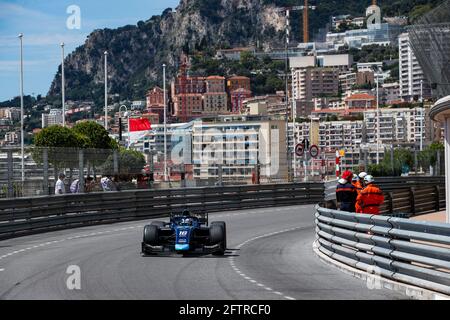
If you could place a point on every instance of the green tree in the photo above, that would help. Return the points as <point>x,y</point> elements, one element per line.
<point>58,137</point>
<point>96,137</point>
<point>428,157</point>
<point>62,146</point>
<point>131,163</point>
<point>402,157</point>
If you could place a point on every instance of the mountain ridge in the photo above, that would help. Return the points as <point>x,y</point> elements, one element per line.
<point>136,52</point>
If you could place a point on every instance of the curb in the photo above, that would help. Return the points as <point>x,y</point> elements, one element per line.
<point>409,290</point>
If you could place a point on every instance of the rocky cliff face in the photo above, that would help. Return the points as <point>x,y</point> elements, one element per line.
<point>136,53</point>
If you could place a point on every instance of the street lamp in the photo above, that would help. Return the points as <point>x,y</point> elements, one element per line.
<point>126,115</point>
<point>106,90</point>
<point>421,115</point>
<point>377,74</point>
<point>21,108</point>
<point>288,155</point>
<point>165,122</point>
<point>63,87</point>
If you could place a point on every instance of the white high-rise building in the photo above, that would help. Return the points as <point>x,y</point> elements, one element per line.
<point>53,118</point>
<point>411,73</point>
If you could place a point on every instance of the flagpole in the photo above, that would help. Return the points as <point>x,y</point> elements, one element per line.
<point>165,123</point>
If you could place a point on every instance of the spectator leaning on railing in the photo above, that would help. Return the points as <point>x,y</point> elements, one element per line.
<point>60,187</point>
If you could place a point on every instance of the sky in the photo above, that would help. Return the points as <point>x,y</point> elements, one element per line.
<point>45,24</point>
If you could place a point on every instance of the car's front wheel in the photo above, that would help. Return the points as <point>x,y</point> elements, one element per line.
<point>151,235</point>
<point>217,233</point>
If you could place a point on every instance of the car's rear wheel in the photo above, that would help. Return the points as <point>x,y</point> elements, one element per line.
<point>217,234</point>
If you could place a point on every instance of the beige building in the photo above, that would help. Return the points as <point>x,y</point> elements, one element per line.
<point>238,144</point>
<point>215,103</point>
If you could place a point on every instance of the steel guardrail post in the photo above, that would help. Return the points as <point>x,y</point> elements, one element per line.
<point>81,170</point>
<point>437,197</point>
<point>412,200</point>
<point>10,173</point>
<point>45,183</point>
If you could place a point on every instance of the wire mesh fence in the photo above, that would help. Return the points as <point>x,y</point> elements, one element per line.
<point>97,170</point>
<point>430,40</point>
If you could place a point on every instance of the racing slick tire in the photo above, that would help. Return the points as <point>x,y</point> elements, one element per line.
<point>151,235</point>
<point>217,234</point>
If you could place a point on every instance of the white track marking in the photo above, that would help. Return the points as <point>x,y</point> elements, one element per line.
<point>93,234</point>
<point>232,262</point>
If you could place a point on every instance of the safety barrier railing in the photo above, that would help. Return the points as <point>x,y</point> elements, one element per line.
<point>27,215</point>
<point>412,252</point>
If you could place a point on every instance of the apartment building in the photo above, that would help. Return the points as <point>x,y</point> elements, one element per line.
<point>54,117</point>
<point>238,145</point>
<point>10,114</point>
<point>351,80</point>
<point>215,99</point>
<point>155,102</point>
<point>412,79</point>
<point>274,105</point>
<point>237,99</point>
<point>317,77</point>
<point>398,126</point>
<point>194,97</point>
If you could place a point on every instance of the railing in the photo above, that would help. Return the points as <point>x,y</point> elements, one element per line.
<point>28,215</point>
<point>408,196</point>
<point>412,252</point>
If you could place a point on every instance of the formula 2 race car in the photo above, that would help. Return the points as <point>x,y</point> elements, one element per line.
<point>185,233</point>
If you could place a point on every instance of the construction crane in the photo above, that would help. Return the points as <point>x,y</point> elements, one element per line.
<point>305,8</point>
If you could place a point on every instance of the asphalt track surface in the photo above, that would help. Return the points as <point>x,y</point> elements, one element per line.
<point>269,257</point>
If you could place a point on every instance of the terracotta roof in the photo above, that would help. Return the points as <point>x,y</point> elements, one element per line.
<point>360,96</point>
<point>215,78</point>
<point>238,78</point>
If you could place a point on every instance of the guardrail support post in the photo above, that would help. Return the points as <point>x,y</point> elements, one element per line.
<point>116,162</point>
<point>220,174</point>
<point>437,198</point>
<point>10,174</point>
<point>45,184</point>
<point>81,169</point>
<point>416,169</point>
<point>392,160</point>
<point>391,202</point>
<point>438,163</point>
<point>412,200</point>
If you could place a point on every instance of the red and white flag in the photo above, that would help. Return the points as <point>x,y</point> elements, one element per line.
<point>138,129</point>
<point>140,125</point>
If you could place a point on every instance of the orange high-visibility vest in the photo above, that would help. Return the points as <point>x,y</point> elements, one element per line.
<point>370,199</point>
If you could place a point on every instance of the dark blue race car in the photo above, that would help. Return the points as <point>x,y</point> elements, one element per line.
<point>185,233</point>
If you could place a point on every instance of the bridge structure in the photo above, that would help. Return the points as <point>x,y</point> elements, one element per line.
<point>284,242</point>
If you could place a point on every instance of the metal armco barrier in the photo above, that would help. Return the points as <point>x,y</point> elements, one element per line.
<point>27,215</point>
<point>403,250</point>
